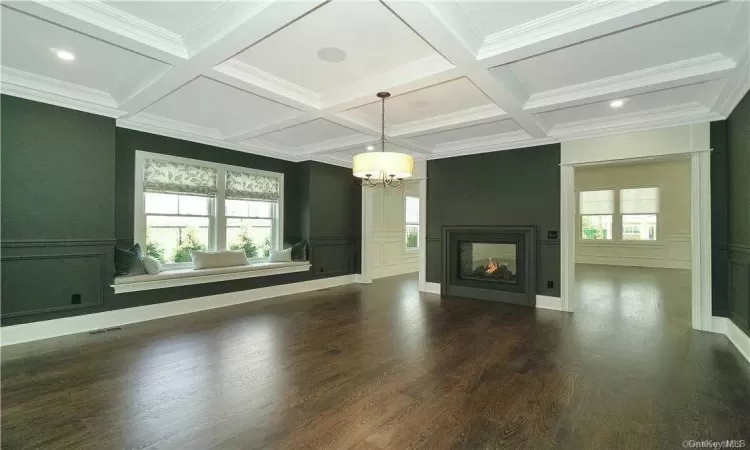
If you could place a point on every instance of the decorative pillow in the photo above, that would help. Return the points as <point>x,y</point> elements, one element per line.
<point>152,265</point>
<point>129,262</point>
<point>225,258</point>
<point>299,251</point>
<point>281,256</point>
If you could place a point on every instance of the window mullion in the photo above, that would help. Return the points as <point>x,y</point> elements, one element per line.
<point>220,220</point>
<point>617,219</point>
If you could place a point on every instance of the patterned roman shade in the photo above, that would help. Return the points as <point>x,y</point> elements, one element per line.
<point>168,177</point>
<point>250,186</point>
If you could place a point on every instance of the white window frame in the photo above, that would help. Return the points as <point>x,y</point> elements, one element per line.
<point>579,225</point>
<point>617,222</point>
<point>407,223</point>
<point>217,221</point>
<point>620,215</point>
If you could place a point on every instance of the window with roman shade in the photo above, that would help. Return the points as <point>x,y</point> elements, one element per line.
<point>639,209</point>
<point>596,209</point>
<point>185,205</point>
<point>252,210</point>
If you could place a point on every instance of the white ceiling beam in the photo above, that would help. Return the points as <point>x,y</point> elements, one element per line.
<point>570,26</point>
<point>92,21</point>
<point>425,19</point>
<point>258,21</point>
<point>679,73</point>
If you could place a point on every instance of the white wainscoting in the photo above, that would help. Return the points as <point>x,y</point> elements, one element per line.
<point>671,252</point>
<point>388,253</point>
<point>16,334</point>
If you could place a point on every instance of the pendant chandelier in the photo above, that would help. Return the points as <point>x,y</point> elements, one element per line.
<point>389,168</point>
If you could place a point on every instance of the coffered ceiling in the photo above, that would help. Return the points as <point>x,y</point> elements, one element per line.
<point>297,80</point>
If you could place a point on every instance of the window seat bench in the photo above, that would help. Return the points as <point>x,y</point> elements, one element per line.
<point>186,277</point>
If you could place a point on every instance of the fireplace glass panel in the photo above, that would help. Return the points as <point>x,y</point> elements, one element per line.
<point>488,261</point>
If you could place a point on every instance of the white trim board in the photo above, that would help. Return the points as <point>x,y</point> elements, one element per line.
<point>659,263</point>
<point>548,302</point>
<point>431,288</point>
<point>162,280</point>
<point>725,326</point>
<point>16,334</point>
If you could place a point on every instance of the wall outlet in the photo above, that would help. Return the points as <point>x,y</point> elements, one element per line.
<point>75,299</point>
<point>550,284</point>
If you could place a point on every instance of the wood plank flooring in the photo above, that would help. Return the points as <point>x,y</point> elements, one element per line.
<point>385,367</point>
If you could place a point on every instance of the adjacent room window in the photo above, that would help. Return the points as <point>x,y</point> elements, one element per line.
<point>186,205</point>
<point>639,209</point>
<point>596,209</point>
<point>412,222</point>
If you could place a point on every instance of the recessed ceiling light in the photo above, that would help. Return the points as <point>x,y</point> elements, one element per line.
<point>370,148</point>
<point>331,54</point>
<point>617,103</point>
<point>64,55</point>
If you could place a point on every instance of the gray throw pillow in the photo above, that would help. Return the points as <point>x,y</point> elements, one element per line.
<point>299,251</point>
<point>281,256</point>
<point>129,262</point>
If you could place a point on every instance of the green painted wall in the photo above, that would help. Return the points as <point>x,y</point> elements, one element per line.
<point>719,220</point>
<point>738,178</point>
<point>57,183</point>
<point>511,187</point>
<point>67,198</point>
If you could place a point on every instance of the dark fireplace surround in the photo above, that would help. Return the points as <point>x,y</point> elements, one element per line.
<point>495,263</point>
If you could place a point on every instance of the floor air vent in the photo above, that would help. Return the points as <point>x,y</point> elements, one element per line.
<point>104,330</point>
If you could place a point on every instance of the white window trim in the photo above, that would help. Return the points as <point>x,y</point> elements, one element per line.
<point>412,249</point>
<point>218,238</point>
<point>616,218</point>
<point>579,220</point>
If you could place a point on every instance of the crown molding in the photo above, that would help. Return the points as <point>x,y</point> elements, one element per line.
<point>264,80</point>
<point>735,87</point>
<point>480,143</point>
<point>332,145</point>
<point>583,15</point>
<point>99,13</point>
<point>699,69</point>
<point>332,160</point>
<point>683,114</point>
<point>159,122</point>
<point>466,117</point>
<point>496,147</point>
<point>55,92</point>
<point>149,123</point>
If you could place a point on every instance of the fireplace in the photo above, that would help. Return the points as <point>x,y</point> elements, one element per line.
<point>490,263</point>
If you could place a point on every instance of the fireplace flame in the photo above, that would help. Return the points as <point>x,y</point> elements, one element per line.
<point>492,266</point>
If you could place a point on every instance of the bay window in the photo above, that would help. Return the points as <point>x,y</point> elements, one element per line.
<point>184,205</point>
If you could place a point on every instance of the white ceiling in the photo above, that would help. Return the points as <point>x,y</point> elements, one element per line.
<point>465,77</point>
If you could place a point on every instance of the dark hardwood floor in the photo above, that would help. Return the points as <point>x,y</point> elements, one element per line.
<point>382,366</point>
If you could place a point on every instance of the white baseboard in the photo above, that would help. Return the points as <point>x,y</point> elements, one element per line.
<point>547,302</point>
<point>736,336</point>
<point>431,288</point>
<point>16,334</point>
<point>656,263</point>
<point>397,269</point>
